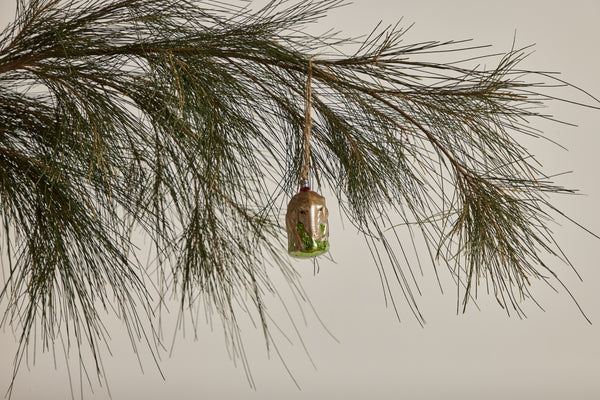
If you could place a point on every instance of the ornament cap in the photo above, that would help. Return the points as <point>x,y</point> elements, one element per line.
<point>304,185</point>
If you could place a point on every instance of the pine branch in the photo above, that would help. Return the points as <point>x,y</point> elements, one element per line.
<point>174,117</point>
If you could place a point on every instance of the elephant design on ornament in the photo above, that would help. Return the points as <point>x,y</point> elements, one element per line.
<point>306,224</point>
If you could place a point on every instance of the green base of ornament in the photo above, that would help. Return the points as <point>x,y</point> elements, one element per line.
<point>317,251</point>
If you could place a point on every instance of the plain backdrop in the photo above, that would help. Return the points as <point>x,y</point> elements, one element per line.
<point>552,354</point>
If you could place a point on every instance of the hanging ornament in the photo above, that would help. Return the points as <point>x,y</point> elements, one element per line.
<point>306,223</point>
<point>306,217</point>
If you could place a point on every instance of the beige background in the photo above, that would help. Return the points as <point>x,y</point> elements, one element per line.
<point>480,355</point>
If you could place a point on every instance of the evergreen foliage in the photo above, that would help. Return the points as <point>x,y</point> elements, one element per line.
<point>172,117</point>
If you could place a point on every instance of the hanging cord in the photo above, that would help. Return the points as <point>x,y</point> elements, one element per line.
<point>307,130</point>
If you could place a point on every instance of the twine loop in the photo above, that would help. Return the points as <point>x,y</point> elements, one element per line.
<point>307,129</point>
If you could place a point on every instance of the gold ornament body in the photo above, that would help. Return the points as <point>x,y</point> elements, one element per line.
<point>306,224</point>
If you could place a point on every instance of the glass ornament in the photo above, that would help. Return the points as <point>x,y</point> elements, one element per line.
<point>306,224</point>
